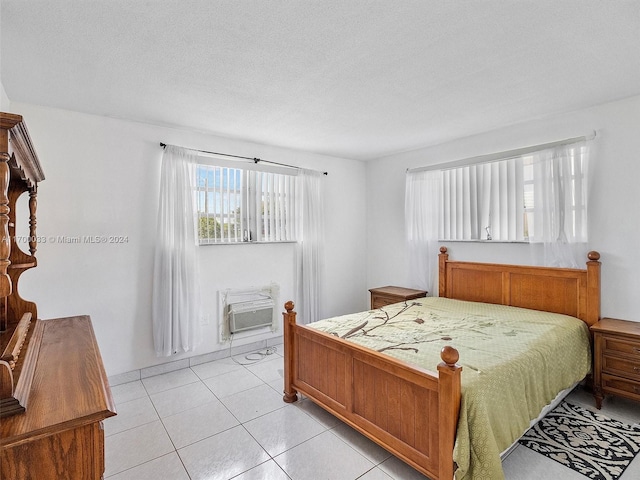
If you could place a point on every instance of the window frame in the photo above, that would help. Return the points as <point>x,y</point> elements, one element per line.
<point>248,195</point>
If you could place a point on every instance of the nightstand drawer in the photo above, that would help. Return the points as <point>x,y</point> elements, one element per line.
<point>379,302</point>
<point>383,296</point>
<point>617,345</point>
<point>621,366</point>
<point>620,386</point>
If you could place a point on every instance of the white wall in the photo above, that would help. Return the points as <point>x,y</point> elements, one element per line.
<point>4,100</point>
<point>614,222</point>
<point>102,178</point>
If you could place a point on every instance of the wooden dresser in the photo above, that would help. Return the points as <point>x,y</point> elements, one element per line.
<point>60,436</point>
<point>616,359</point>
<point>54,392</point>
<point>382,296</point>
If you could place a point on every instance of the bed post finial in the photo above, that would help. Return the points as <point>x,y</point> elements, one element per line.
<point>449,355</point>
<point>289,306</point>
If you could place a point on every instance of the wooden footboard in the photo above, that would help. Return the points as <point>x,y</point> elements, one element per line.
<point>409,411</point>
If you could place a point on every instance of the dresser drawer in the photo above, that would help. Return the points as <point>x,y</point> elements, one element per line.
<point>620,386</point>
<point>624,346</point>
<point>621,366</point>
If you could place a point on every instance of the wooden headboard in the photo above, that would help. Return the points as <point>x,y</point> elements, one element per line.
<point>569,291</point>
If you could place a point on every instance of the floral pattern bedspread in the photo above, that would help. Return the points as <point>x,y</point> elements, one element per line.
<point>515,361</point>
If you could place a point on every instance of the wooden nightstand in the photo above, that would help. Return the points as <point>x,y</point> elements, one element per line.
<point>387,295</point>
<point>616,359</point>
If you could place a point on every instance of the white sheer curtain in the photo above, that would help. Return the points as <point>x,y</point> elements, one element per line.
<point>310,221</point>
<point>422,220</point>
<point>176,298</point>
<point>560,204</point>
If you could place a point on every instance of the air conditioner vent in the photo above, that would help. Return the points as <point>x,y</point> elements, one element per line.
<point>249,315</point>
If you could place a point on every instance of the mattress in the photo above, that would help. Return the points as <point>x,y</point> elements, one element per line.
<point>515,362</point>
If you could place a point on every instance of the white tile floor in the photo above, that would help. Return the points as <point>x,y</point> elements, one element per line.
<point>222,420</point>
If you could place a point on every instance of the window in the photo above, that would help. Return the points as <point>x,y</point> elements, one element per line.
<point>240,205</point>
<point>484,202</point>
<point>535,194</point>
<point>514,199</point>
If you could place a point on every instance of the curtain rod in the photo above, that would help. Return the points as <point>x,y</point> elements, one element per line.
<point>255,160</point>
<point>490,157</point>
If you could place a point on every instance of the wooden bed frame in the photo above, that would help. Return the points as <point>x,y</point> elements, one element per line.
<point>409,411</point>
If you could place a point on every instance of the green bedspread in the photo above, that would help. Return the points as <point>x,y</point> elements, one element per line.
<point>515,361</point>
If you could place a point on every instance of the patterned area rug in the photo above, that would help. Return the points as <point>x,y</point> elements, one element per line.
<point>589,443</point>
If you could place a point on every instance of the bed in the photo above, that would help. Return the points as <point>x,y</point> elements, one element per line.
<point>415,412</point>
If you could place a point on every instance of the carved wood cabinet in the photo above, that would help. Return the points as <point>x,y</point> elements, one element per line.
<point>20,173</point>
<point>54,392</point>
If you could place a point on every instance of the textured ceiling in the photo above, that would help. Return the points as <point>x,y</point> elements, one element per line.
<point>351,78</point>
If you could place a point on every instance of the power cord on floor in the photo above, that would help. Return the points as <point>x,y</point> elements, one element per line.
<point>253,357</point>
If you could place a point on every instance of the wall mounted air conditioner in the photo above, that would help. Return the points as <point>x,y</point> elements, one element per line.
<point>249,315</point>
